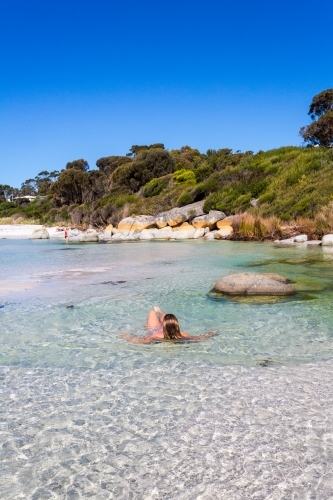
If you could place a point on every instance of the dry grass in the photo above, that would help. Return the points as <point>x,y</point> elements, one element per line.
<point>249,227</point>
<point>17,220</point>
<point>324,220</point>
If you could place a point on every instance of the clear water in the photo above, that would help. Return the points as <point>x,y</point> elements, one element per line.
<point>246,414</point>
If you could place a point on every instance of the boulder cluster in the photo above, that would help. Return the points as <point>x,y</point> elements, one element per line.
<point>189,222</point>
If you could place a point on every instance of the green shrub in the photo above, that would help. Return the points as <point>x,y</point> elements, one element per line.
<point>202,173</point>
<point>185,199</point>
<point>156,186</point>
<point>184,176</point>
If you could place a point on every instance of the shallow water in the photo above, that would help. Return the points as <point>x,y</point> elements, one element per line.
<point>245,414</point>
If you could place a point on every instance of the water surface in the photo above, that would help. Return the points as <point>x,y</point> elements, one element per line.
<point>245,414</point>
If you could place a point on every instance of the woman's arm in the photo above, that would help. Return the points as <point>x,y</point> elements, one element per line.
<point>198,338</point>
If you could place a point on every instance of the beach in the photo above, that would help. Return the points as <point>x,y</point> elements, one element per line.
<point>245,414</point>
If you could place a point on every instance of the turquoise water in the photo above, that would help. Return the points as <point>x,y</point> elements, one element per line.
<point>112,287</point>
<point>245,414</point>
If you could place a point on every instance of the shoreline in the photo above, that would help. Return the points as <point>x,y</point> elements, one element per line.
<point>110,234</point>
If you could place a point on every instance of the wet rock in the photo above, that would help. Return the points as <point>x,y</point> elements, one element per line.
<point>40,234</point>
<point>70,306</point>
<point>254,284</point>
<point>327,240</point>
<point>208,220</point>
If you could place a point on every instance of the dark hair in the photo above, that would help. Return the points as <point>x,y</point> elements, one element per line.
<point>171,327</point>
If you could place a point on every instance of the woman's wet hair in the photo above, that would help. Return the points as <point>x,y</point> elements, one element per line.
<point>171,329</point>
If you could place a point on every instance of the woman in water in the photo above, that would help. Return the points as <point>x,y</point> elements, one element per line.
<point>164,327</point>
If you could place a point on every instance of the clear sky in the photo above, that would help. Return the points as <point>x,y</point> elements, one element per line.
<point>86,79</point>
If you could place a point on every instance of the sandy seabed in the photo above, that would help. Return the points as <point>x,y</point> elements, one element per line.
<point>169,430</point>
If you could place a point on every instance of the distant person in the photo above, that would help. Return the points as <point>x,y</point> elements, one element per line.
<point>164,327</point>
<point>66,234</point>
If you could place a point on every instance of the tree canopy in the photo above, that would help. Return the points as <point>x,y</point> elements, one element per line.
<point>149,164</point>
<point>69,187</point>
<point>108,164</point>
<point>320,131</point>
<point>78,165</point>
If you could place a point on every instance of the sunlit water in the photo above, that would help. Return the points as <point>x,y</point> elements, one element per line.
<point>84,414</point>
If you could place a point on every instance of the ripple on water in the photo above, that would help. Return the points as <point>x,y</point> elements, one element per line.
<point>167,430</point>
<point>246,414</point>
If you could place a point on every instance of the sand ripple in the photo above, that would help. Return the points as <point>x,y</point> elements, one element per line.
<point>167,430</point>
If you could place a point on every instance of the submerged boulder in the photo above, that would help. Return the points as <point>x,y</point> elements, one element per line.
<point>254,284</point>
<point>40,234</point>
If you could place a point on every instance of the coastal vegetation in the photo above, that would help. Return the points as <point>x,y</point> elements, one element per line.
<point>270,190</point>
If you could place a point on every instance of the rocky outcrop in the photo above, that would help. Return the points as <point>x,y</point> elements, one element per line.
<point>327,240</point>
<point>199,233</point>
<point>108,231</point>
<point>210,236</point>
<point>209,220</point>
<point>164,234</point>
<point>223,233</point>
<point>183,232</point>
<point>40,234</point>
<point>136,223</point>
<point>225,222</point>
<point>254,284</point>
<point>177,216</point>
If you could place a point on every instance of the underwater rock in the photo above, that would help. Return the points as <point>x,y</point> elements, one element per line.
<point>254,284</point>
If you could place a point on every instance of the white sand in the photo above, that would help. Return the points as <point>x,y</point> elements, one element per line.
<point>8,286</point>
<point>24,231</point>
<point>17,231</point>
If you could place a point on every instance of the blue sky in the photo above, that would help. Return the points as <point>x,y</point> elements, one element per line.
<point>86,79</point>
